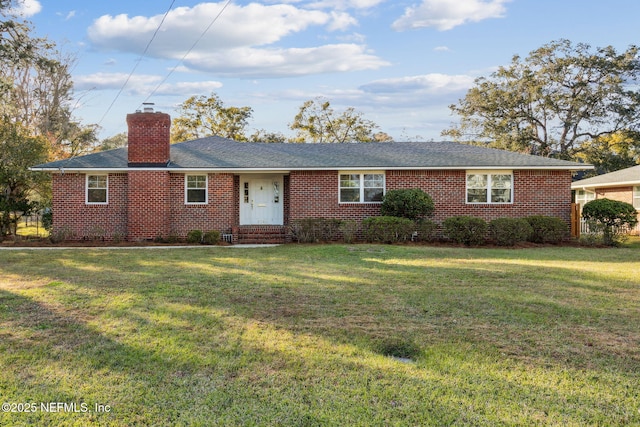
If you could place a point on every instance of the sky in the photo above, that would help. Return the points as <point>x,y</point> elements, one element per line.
<point>399,63</point>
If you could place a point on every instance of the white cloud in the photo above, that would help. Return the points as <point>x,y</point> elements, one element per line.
<point>341,21</point>
<point>434,83</point>
<point>187,88</point>
<point>243,36</point>
<point>142,84</point>
<point>345,4</point>
<point>111,80</point>
<point>261,63</point>
<point>447,14</point>
<point>253,25</point>
<point>442,49</point>
<point>26,8</point>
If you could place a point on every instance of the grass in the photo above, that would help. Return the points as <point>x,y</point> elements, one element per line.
<point>322,335</point>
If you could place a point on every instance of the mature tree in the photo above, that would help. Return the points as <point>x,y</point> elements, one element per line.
<point>19,150</point>
<point>116,141</point>
<point>36,89</point>
<point>611,152</point>
<point>553,101</point>
<point>318,122</point>
<point>201,116</point>
<point>262,135</point>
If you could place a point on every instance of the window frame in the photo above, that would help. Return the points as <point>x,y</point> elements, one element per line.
<point>488,187</point>
<point>88,188</point>
<point>635,197</point>
<point>361,186</point>
<point>584,198</point>
<point>187,188</point>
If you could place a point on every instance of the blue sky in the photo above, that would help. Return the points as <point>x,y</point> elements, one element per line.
<point>400,63</point>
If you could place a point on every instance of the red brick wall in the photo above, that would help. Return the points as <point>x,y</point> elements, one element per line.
<point>218,214</point>
<point>315,194</point>
<point>75,219</point>
<point>148,205</point>
<point>148,138</point>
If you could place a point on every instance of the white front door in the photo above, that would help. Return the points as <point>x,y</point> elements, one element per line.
<point>261,200</point>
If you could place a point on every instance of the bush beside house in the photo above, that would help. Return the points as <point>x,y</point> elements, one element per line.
<point>610,218</point>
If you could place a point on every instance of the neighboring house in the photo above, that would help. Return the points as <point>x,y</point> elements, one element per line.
<point>622,185</point>
<point>254,190</point>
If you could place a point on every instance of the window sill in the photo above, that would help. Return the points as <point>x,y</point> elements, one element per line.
<point>359,203</point>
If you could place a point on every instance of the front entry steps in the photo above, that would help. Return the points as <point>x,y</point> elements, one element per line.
<point>259,234</point>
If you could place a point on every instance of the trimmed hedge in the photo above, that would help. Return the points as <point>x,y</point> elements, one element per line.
<point>467,230</point>
<point>426,230</point>
<point>349,230</point>
<point>387,229</point>
<point>509,231</point>
<point>311,230</point>
<point>211,237</point>
<point>194,236</point>
<point>547,229</point>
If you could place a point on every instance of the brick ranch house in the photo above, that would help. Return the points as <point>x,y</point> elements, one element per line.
<point>152,188</point>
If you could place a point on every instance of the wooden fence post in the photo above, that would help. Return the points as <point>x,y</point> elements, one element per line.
<point>575,220</point>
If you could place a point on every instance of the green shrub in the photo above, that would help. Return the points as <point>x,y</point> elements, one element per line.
<point>47,219</point>
<point>413,204</point>
<point>466,230</point>
<point>612,217</point>
<point>509,231</point>
<point>387,229</point>
<point>349,229</point>
<point>426,230</point>
<point>194,236</point>
<point>311,230</point>
<point>547,229</point>
<point>61,234</point>
<point>172,237</point>
<point>117,237</point>
<point>211,237</point>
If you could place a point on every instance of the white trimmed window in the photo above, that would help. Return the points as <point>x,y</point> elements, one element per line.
<point>361,187</point>
<point>97,189</point>
<point>490,187</point>
<point>584,196</point>
<point>636,197</point>
<point>195,189</point>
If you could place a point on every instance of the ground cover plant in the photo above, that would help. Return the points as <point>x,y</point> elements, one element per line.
<point>303,335</point>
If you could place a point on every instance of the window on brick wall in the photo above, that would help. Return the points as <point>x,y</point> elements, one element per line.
<point>97,189</point>
<point>195,189</point>
<point>489,187</point>
<point>636,197</point>
<point>362,187</point>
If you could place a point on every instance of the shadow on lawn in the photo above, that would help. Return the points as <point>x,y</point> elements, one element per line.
<point>235,329</point>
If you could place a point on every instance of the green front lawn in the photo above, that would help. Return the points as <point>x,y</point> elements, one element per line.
<point>303,335</point>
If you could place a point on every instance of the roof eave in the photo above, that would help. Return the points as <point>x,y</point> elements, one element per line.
<point>578,186</point>
<point>312,168</point>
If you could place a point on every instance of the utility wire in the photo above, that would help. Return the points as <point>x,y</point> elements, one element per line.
<point>188,52</point>
<point>135,67</point>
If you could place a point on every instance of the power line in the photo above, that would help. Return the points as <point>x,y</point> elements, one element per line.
<point>188,51</point>
<point>135,67</point>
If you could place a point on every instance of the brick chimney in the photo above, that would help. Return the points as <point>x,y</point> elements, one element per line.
<point>149,138</point>
<point>148,208</point>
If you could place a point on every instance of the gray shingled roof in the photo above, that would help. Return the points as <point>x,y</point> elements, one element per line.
<point>627,176</point>
<point>220,153</point>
